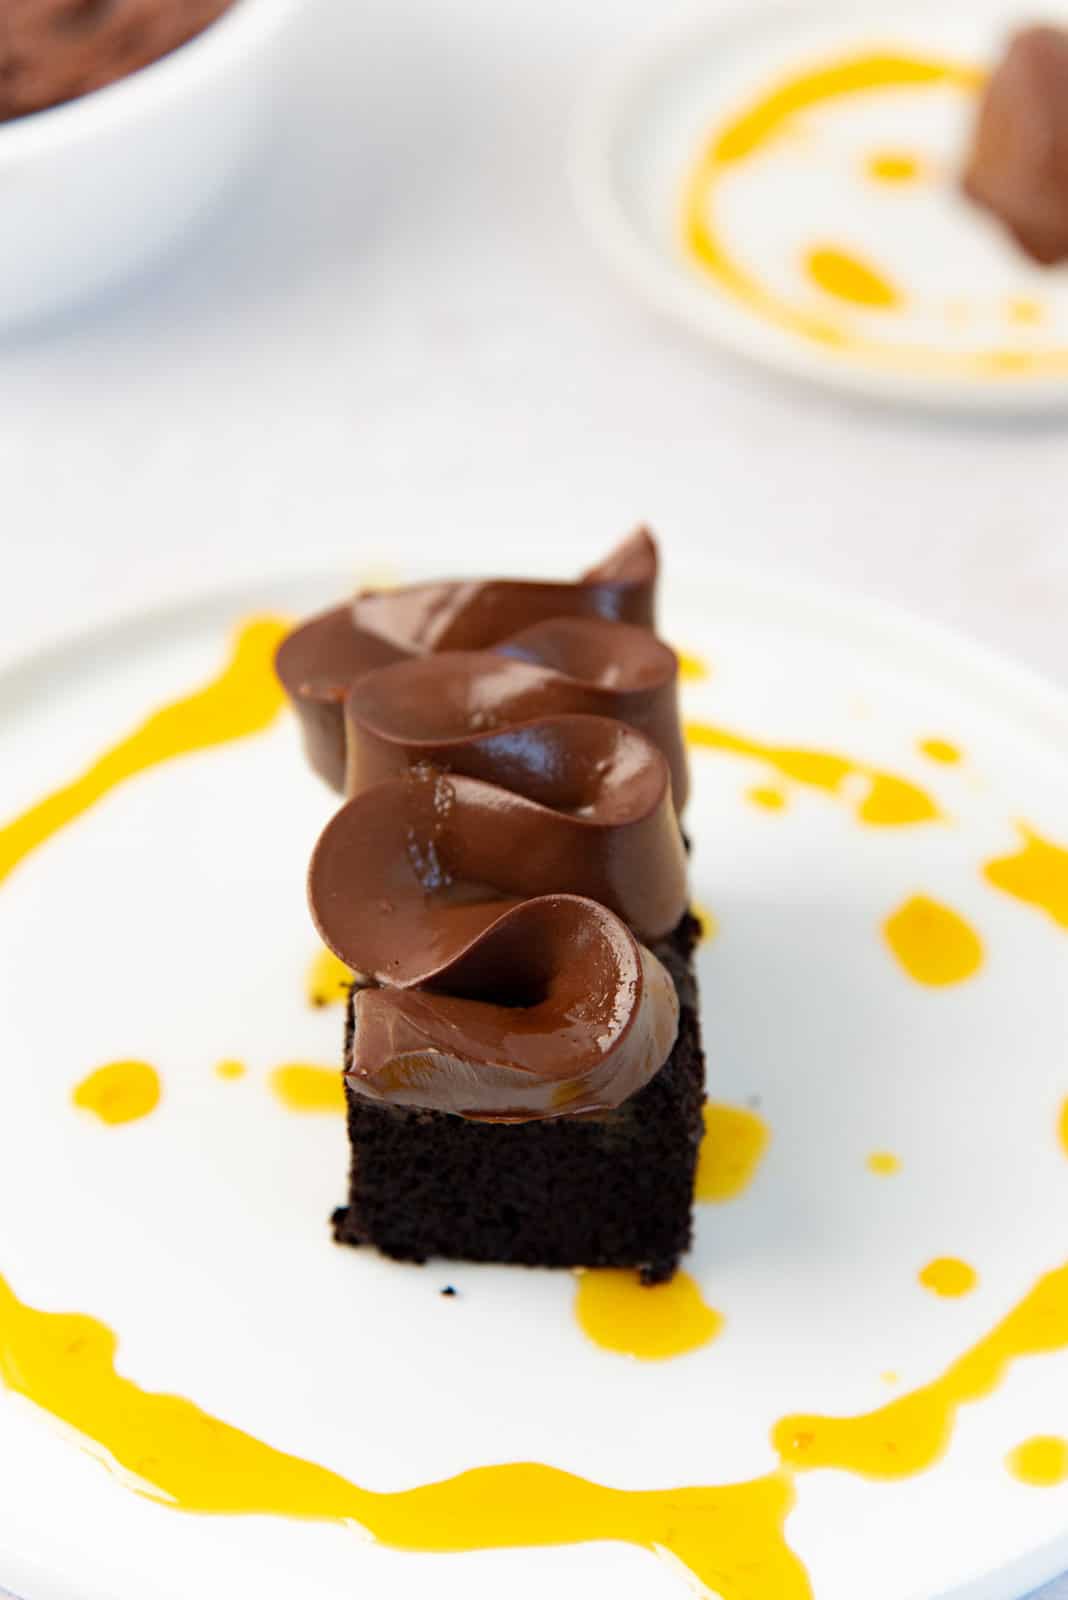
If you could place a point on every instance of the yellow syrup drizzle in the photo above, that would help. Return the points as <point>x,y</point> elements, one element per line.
<point>1062,1127</point>
<point>948,1277</point>
<point>730,1538</point>
<point>910,1433</point>
<point>300,1087</point>
<point>244,699</point>
<point>887,801</point>
<point>933,944</point>
<point>691,668</point>
<point>756,129</point>
<point>329,979</point>
<point>618,1312</point>
<point>767,797</point>
<point>940,750</point>
<point>883,1163</point>
<point>731,1151</point>
<point>849,279</point>
<point>122,1091</point>
<point>1026,313</point>
<point>709,925</point>
<point>1041,1461</point>
<point>230,1069</point>
<point>1037,874</point>
<point>894,166</point>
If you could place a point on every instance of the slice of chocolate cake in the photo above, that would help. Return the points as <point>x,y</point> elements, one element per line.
<point>523,1065</point>
<point>608,1190</point>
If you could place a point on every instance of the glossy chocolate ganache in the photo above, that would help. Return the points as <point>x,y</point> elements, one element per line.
<point>510,845</point>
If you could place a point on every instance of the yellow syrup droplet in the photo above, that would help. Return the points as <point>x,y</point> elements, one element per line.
<point>329,979</point>
<point>767,797</point>
<point>1062,1127</point>
<point>895,802</point>
<point>894,166</point>
<point>909,1434</point>
<point>122,1091</point>
<point>244,699</point>
<point>933,944</point>
<point>691,668</point>
<point>940,750</point>
<point>948,1277</point>
<point>1026,313</point>
<point>709,925</point>
<point>731,1151</point>
<point>752,129</point>
<point>300,1087</point>
<point>618,1312</point>
<point>1041,1461</point>
<point>884,1163</point>
<point>230,1069</point>
<point>1037,874</point>
<point>890,1377</point>
<point>847,277</point>
<point>885,800</point>
<point>730,1538</point>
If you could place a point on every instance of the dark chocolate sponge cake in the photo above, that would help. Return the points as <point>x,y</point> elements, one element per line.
<point>608,1191</point>
<point>523,1065</point>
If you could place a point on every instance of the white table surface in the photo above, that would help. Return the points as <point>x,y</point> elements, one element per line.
<point>399,322</point>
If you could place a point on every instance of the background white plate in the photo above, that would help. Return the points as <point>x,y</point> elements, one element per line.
<point>170,924</point>
<point>958,269</point>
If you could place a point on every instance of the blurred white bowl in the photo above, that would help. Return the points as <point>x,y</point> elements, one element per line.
<point>95,189</point>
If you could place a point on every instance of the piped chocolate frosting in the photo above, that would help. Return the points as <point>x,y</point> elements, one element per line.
<point>510,838</point>
<point>460,709</point>
<point>320,661</point>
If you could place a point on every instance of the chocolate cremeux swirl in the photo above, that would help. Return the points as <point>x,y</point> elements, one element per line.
<point>510,845</point>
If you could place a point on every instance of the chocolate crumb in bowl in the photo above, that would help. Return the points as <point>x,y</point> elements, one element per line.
<point>52,51</point>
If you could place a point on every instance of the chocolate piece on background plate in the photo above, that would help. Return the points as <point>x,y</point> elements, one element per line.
<point>1018,166</point>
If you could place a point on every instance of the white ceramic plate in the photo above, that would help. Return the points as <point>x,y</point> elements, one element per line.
<point>169,924</point>
<point>964,291</point>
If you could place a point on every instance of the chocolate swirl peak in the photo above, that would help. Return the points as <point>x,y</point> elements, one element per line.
<point>320,661</point>
<point>460,709</point>
<point>511,837</point>
<point>584,808</point>
<point>557,1010</point>
<point>504,912</point>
